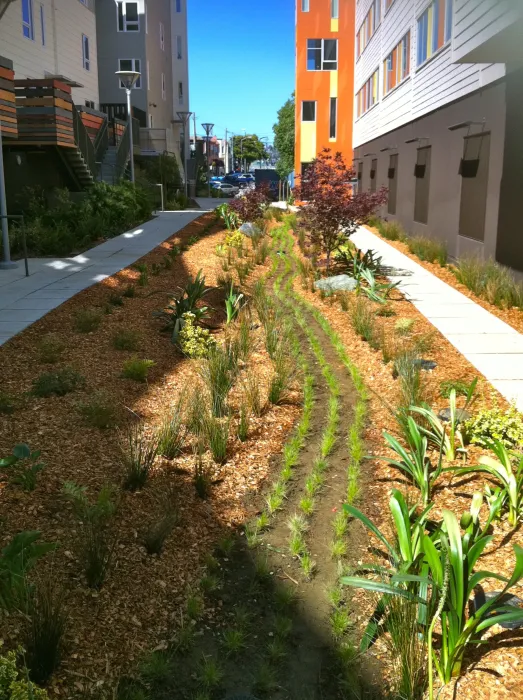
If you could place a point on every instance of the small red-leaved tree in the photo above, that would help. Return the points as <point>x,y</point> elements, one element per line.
<point>332,211</point>
<point>251,205</point>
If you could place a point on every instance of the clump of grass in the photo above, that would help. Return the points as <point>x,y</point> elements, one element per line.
<point>307,505</point>
<point>408,649</point>
<point>215,432</point>
<point>265,682</point>
<point>99,411</point>
<point>408,372</point>
<point>392,230</point>
<point>139,451</point>
<point>129,292</point>
<point>8,403</point>
<point>115,299</point>
<point>59,383</point>
<point>338,549</point>
<point>126,339</point>
<point>137,369</point>
<point>244,336</point>
<point>491,281</point>
<point>386,311</point>
<point>262,252</point>
<point>156,269</point>
<point>172,431</point>
<point>215,371</point>
<point>156,669</point>
<point>283,375</point>
<point>87,320</point>
<point>461,387</point>
<point>143,279</point>
<point>234,641</point>
<point>51,349</point>
<point>196,409</point>
<point>243,424</point>
<point>167,262</point>
<point>428,249</point>
<point>404,326</point>
<point>340,622</point>
<point>225,545</point>
<point>363,321</point>
<point>44,636</point>
<point>202,479</point>
<point>252,394</point>
<point>308,565</point>
<point>160,529</point>
<point>195,606</point>
<point>276,651</point>
<point>210,674</point>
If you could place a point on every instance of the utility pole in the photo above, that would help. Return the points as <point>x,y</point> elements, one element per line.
<point>226,168</point>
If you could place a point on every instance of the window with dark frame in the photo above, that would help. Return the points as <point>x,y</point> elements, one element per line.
<point>333,117</point>
<point>42,23</point>
<point>322,54</point>
<point>128,17</point>
<point>85,52</point>
<point>130,64</point>
<point>393,183</point>
<point>373,174</point>
<point>308,111</point>
<point>474,185</point>
<point>28,28</point>
<point>422,190</point>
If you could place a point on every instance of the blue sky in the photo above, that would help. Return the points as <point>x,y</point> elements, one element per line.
<point>241,62</point>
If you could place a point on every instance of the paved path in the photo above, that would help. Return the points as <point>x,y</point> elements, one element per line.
<point>51,281</point>
<point>493,347</point>
<point>210,203</point>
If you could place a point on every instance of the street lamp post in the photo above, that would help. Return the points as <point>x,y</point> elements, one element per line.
<point>208,128</point>
<point>242,167</point>
<point>264,138</point>
<point>184,118</point>
<point>6,263</point>
<point>129,79</point>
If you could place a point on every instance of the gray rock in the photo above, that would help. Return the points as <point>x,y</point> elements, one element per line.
<point>250,230</point>
<point>426,364</point>
<point>480,598</point>
<point>461,415</point>
<point>338,283</point>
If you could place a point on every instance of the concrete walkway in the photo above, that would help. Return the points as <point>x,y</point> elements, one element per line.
<point>51,281</point>
<point>210,203</point>
<point>493,347</point>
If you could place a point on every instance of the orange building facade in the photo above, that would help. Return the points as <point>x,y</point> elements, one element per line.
<point>325,42</point>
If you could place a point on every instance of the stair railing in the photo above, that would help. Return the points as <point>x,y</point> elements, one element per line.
<point>101,142</point>
<point>122,154</point>
<point>83,143</point>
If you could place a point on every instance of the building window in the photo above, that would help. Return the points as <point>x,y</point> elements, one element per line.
<point>305,5</point>
<point>85,52</point>
<point>308,111</point>
<point>131,64</point>
<point>393,183</point>
<point>85,2</point>
<point>180,93</point>
<point>322,54</point>
<point>474,171</point>
<point>373,174</point>
<point>368,27</point>
<point>164,95</point>
<point>178,5</point>
<point>422,174</point>
<point>434,28</point>
<point>367,96</point>
<point>396,66</point>
<point>89,103</point>
<point>335,9</point>
<point>28,27</point>
<point>162,37</point>
<point>333,117</point>
<point>179,47</point>
<point>42,23</point>
<point>128,17</point>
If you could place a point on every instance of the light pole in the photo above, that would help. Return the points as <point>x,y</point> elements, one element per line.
<point>208,128</point>
<point>264,138</point>
<point>184,118</point>
<point>241,152</point>
<point>7,263</point>
<point>128,79</point>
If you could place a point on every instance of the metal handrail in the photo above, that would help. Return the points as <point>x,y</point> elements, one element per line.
<point>122,154</point>
<point>83,142</point>
<point>101,142</point>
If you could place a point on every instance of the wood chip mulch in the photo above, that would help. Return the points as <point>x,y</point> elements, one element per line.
<point>140,606</point>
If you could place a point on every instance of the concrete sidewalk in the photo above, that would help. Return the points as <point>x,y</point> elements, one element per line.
<point>493,347</point>
<point>51,281</point>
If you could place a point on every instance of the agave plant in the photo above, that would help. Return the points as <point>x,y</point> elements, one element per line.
<point>414,461</point>
<point>376,291</point>
<point>452,574</point>
<point>511,482</point>
<point>229,217</point>
<point>406,558</point>
<point>191,294</point>
<point>438,433</point>
<point>233,305</point>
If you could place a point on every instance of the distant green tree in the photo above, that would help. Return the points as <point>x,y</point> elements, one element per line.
<point>249,148</point>
<point>284,136</point>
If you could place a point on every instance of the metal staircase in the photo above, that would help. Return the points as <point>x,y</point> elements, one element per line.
<point>4,4</point>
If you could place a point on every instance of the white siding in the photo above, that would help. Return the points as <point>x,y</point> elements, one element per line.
<point>438,81</point>
<point>65,22</point>
<point>475,21</point>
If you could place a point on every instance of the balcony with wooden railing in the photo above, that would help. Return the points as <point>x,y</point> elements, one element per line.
<point>8,120</point>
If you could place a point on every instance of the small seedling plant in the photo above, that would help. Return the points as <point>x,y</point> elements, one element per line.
<point>25,464</point>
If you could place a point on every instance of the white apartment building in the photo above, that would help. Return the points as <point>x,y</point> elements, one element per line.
<point>438,106</point>
<point>50,38</point>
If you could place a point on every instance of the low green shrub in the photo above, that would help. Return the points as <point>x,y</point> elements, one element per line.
<point>13,682</point>
<point>87,320</point>
<point>126,339</point>
<point>8,403</point>
<point>137,369</point>
<point>50,349</point>
<point>129,292</point>
<point>25,466</point>
<point>490,281</point>
<point>428,249</point>
<point>461,387</point>
<point>99,411</point>
<point>59,383</point>
<point>194,341</point>
<point>392,230</point>
<point>493,425</point>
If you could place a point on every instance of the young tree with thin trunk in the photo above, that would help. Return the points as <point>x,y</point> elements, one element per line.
<point>332,211</point>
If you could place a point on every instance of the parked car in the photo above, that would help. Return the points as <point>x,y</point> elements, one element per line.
<point>226,189</point>
<point>216,178</point>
